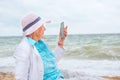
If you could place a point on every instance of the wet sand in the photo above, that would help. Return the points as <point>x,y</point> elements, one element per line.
<point>112,78</point>
<point>6,76</point>
<point>9,76</point>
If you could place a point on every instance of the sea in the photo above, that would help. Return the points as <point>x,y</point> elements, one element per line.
<point>85,54</point>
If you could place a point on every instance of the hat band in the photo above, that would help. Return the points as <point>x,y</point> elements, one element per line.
<point>30,24</point>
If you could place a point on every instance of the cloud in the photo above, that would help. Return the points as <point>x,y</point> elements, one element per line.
<point>82,16</point>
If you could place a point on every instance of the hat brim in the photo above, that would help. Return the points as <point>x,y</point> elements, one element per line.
<point>34,27</point>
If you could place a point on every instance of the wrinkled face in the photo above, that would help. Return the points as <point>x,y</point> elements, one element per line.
<point>38,34</point>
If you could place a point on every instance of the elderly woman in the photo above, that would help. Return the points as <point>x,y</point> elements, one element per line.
<point>34,59</point>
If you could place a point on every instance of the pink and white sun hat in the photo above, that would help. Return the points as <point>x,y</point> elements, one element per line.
<point>31,23</point>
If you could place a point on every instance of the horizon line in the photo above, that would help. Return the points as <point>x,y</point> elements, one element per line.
<point>68,34</point>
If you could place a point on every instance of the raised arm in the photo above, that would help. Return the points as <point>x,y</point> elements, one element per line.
<point>59,50</point>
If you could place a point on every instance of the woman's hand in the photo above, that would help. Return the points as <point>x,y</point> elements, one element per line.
<point>61,40</point>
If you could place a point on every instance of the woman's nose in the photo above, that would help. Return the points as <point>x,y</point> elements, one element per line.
<point>44,28</point>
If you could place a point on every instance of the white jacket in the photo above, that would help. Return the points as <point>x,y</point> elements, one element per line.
<point>29,65</point>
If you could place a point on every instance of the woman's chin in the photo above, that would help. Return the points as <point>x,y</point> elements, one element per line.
<point>41,38</point>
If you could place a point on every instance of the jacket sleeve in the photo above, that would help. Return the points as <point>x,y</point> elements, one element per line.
<point>58,52</point>
<point>22,64</point>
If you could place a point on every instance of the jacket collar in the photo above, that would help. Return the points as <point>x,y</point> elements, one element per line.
<point>31,41</point>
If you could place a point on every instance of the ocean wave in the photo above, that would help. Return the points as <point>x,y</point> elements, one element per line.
<point>94,46</point>
<point>94,52</point>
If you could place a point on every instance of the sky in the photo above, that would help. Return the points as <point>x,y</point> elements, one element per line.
<point>81,16</point>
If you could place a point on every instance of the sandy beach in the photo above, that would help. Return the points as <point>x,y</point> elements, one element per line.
<point>112,78</point>
<point>9,76</point>
<point>6,76</point>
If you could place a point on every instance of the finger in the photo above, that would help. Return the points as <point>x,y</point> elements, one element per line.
<point>65,33</point>
<point>66,28</point>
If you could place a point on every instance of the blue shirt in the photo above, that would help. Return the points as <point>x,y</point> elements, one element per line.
<point>51,71</point>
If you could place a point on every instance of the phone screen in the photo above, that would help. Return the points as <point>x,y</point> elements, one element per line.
<point>62,29</point>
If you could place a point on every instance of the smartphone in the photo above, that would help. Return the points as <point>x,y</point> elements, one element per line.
<point>62,29</point>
